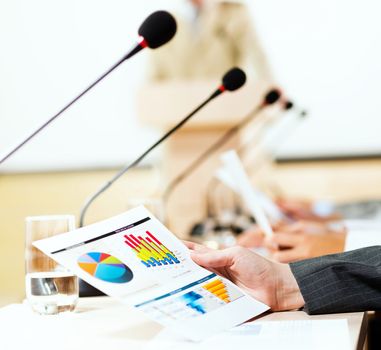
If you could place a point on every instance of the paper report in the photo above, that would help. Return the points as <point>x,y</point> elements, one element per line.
<point>136,259</point>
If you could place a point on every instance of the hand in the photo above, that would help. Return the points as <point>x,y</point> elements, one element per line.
<point>304,240</point>
<point>269,282</point>
<point>253,238</point>
<point>298,209</point>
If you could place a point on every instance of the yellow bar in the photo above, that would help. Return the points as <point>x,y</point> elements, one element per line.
<point>159,251</point>
<point>153,253</point>
<point>212,284</point>
<point>144,253</point>
<point>165,249</point>
<point>149,253</point>
<point>218,287</point>
<point>223,296</point>
<point>143,257</point>
<point>157,247</point>
<point>220,292</point>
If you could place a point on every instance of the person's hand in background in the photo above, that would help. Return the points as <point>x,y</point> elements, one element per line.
<point>299,209</point>
<point>304,240</point>
<point>269,282</point>
<point>253,238</point>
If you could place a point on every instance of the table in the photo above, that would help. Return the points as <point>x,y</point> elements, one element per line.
<point>103,323</point>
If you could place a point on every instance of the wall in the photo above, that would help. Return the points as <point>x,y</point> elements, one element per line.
<point>51,51</point>
<point>324,53</point>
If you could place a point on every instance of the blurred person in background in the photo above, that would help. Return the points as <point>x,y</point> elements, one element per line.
<point>304,239</point>
<point>213,37</point>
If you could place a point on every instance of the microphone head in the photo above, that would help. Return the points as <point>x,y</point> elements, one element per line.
<point>158,28</point>
<point>272,96</point>
<point>288,105</point>
<point>233,79</point>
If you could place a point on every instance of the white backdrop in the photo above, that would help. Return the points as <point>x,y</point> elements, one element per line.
<point>325,53</point>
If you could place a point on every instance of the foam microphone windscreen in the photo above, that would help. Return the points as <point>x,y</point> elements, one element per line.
<point>158,28</point>
<point>272,96</point>
<point>234,79</point>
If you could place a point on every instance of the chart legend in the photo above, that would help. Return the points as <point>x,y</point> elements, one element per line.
<point>105,267</point>
<point>150,250</point>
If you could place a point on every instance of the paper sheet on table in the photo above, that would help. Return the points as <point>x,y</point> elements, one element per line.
<point>267,335</point>
<point>267,204</point>
<point>136,259</point>
<point>234,166</point>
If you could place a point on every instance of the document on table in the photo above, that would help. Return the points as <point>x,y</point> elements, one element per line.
<point>267,335</point>
<point>269,207</point>
<point>136,259</point>
<point>233,165</point>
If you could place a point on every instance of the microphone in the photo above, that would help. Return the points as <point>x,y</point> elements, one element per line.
<point>270,98</point>
<point>263,154</point>
<point>242,220</point>
<point>231,81</point>
<point>287,105</point>
<point>156,30</point>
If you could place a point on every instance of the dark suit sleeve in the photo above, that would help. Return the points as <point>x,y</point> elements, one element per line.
<point>346,282</point>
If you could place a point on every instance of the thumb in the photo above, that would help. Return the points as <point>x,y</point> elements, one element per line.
<point>211,259</point>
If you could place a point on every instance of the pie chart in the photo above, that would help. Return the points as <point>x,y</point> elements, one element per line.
<point>105,267</point>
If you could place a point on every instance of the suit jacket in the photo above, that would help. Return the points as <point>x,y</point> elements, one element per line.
<point>346,282</point>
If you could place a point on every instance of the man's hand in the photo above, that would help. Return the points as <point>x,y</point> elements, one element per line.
<point>304,240</point>
<point>270,282</point>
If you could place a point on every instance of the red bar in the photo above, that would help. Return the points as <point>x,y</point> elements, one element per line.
<point>161,250</point>
<point>144,243</point>
<point>130,245</point>
<point>135,239</point>
<point>154,238</point>
<point>131,241</point>
<point>160,254</point>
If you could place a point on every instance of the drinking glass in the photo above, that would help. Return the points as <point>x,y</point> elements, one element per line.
<point>50,288</point>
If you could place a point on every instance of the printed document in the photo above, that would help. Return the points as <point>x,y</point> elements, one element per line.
<point>135,258</point>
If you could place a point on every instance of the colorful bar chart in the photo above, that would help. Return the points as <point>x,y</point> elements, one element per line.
<point>195,301</point>
<point>150,250</point>
<point>218,288</point>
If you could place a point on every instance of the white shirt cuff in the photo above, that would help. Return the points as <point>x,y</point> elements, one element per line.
<point>361,238</point>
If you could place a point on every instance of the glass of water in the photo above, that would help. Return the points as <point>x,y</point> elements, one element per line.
<point>50,288</point>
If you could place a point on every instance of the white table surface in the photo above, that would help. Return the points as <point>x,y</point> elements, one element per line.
<point>103,323</point>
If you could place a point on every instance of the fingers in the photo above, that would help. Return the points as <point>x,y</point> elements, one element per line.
<point>250,239</point>
<point>219,258</point>
<point>302,227</point>
<point>212,258</point>
<point>195,246</point>
<point>283,240</point>
<point>190,245</point>
<point>296,227</point>
<point>287,256</point>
